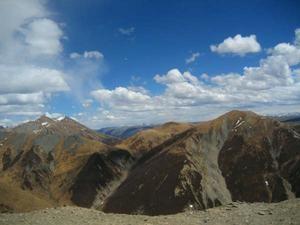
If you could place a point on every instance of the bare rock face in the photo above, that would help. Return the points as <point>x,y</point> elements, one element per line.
<point>99,171</point>
<point>239,156</point>
<point>259,164</point>
<point>37,171</point>
<point>6,159</point>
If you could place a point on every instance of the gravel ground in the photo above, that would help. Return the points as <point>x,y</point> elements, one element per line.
<point>283,213</point>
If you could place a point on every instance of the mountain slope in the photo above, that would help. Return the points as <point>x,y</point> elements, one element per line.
<point>238,156</point>
<point>145,140</point>
<point>44,158</point>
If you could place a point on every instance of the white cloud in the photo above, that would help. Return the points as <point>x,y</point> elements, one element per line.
<point>30,79</point>
<point>173,76</point>
<point>14,14</point>
<point>32,64</point>
<point>237,45</point>
<point>87,55</point>
<point>272,85</point>
<point>120,96</point>
<point>93,54</point>
<point>75,55</point>
<point>140,89</point>
<point>127,31</point>
<point>290,53</point>
<point>30,46</point>
<point>19,99</point>
<point>192,58</point>
<point>53,115</point>
<point>43,37</point>
<point>87,103</point>
<point>273,71</point>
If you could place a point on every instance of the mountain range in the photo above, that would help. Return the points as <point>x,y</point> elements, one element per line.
<point>163,169</point>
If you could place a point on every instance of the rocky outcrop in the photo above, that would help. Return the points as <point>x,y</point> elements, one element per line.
<point>97,175</point>
<point>37,169</point>
<point>6,159</point>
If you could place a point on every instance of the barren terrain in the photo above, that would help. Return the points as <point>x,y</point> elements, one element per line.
<point>283,213</point>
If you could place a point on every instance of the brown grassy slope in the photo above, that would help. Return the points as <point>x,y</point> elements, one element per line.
<point>145,140</point>
<point>44,161</point>
<point>14,199</point>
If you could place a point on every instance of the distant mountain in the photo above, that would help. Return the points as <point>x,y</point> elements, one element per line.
<point>239,156</point>
<point>50,162</point>
<point>289,117</point>
<point>63,126</point>
<point>293,119</point>
<point>123,132</point>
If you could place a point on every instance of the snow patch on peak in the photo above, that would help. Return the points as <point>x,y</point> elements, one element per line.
<point>44,123</point>
<point>239,122</point>
<point>73,118</point>
<point>60,118</point>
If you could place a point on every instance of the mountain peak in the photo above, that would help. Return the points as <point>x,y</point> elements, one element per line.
<point>60,118</point>
<point>44,118</point>
<point>234,113</point>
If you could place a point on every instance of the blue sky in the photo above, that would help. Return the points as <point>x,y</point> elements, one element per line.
<point>110,63</point>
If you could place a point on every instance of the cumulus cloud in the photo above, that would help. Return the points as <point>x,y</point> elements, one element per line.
<point>272,85</point>
<point>173,76</point>
<point>237,45</point>
<point>19,99</point>
<point>290,53</point>
<point>273,71</point>
<point>30,43</point>
<point>14,14</point>
<point>21,110</point>
<point>120,96</point>
<point>43,37</point>
<point>29,79</point>
<point>126,31</point>
<point>192,58</point>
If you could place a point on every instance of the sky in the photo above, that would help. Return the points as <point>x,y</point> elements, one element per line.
<point>114,63</point>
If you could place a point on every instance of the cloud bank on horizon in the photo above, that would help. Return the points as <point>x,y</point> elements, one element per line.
<point>35,70</point>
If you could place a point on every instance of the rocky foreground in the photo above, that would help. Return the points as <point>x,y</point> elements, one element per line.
<point>283,213</point>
